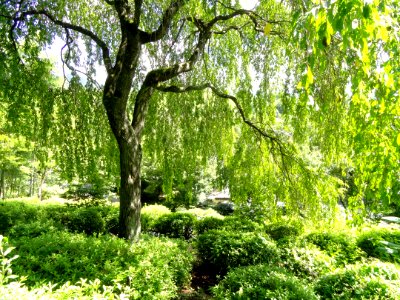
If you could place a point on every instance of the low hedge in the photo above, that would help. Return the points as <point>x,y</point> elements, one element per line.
<point>222,250</point>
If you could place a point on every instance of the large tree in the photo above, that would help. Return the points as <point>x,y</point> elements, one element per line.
<point>192,70</point>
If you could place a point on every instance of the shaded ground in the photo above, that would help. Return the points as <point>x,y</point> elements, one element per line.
<point>203,278</point>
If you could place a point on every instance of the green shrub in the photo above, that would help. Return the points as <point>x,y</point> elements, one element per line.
<point>150,214</point>
<point>307,262</point>
<point>237,223</point>
<point>338,245</point>
<point>15,212</point>
<point>284,230</point>
<point>383,244</point>
<point>201,213</point>
<point>222,250</point>
<point>261,282</point>
<point>176,225</point>
<point>155,268</point>
<point>365,281</point>
<point>230,223</point>
<point>209,223</point>
<point>87,220</point>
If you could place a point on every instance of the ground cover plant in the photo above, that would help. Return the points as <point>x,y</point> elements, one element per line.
<point>60,252</point>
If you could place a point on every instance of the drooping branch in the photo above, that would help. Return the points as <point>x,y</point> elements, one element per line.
<point>165,25</point>
<point>286,152</point>
<point>176,89</point>
<point>106,52</point>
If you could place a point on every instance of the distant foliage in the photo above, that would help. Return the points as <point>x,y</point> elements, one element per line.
<point>222,250</point>
<point>262,282</point>
<point>375,280</point>
<point>225,208</point>
<point>85,191</point>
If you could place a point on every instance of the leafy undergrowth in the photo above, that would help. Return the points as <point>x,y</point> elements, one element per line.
<point>72,253</point>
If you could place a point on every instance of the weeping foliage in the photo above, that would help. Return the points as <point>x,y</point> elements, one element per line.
<point>310,86</point>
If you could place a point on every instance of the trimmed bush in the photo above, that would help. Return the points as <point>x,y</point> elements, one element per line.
<point>150,214</point>
<point>237,223</point>
<point>261,282</point>
<point>176,225</point>
<point>209,223</point>
<point>340,246</point>
<point>222,250</point>
<point>201,213</point>
<point>155,268</point>
<point>383,244</point>
<point>282,230</point>
<point>365,281</point>
<point>87,220</point>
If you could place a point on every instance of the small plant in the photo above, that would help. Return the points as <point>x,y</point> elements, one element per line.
<point>6,273</point>
<point>262,282</point>
<point>222,250</point>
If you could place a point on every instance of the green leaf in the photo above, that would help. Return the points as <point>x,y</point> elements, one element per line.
<point>267,28</point>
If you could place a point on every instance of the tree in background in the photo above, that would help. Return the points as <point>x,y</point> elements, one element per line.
<point>211,81</point>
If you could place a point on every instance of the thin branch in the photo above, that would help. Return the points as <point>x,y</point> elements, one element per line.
<point>66,62</point>
<point>66,25</point>
<point>165,25</point>
<point>175,89</point>
<point>175,40</point>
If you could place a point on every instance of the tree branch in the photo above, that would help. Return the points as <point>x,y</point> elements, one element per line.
<point>138,12</point>
<point>175,89</point>
<point>66,25</point>
<point>166,21</point>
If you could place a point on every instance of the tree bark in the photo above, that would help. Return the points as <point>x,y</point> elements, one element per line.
<point>130,202</point>
<point>2,190</point>
<point>41,183</point>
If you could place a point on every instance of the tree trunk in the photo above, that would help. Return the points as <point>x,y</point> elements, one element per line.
<point>2,190</point>
<point>32,182</point>
<point>41,183</point>
<point>130,202</point>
